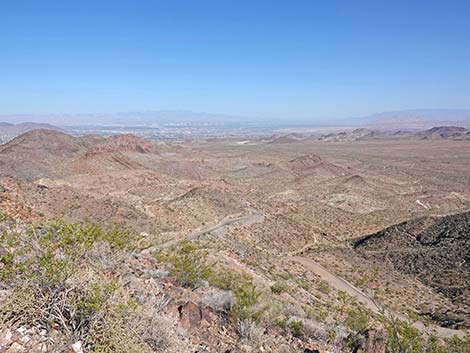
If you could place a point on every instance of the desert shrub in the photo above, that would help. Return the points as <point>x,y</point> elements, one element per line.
<point>123,327</point>
<point>57,250</point>
<point>54,282</point>
<point>187,264</point>
<point>279,288</point>
<point>155,330</point>
<point>315,330</point>
<point>357,320</point>
<point>302,327</point>
<point>324,287</point>
<point>292,310</point>
<point>219,300</point>
<point>246,296</point>
<point>104,256</point>
<point>75,305</point>
<point>250,331</point>
<point>456,344</point>
<point>296,326</point>
<point>282,322</point>
<point>403,337</point>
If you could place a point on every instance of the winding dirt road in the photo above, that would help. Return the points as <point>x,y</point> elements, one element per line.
<point>341,284</point>
<point>218,229</point>
<point>334,281</point>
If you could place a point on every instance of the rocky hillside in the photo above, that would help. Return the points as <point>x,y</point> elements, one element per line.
<point>39,153</point>
<point>10,131</point>
<point>436,250</point>
<point>445,132</point>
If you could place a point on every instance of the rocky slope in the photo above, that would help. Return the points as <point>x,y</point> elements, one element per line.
<point>436,250</point>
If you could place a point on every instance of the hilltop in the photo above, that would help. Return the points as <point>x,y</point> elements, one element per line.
<point>9,131</point>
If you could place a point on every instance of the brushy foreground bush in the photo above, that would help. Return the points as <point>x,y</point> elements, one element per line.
<point>403,337</point>
<point>59,278</point>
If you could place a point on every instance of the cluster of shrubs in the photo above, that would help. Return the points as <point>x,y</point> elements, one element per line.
<point>58,277</point>
<point>403,337</point>
<point>234,295</point>
<point>64,277</point>
<point>250,309</point>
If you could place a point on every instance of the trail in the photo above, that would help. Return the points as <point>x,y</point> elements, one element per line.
<point>341,284</point>
<point>334,281</point>
<point>218,229</point>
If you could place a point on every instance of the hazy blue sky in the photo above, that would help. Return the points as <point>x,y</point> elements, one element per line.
<point>299,59</point>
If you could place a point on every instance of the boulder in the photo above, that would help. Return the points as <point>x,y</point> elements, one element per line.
<point>192,316</point>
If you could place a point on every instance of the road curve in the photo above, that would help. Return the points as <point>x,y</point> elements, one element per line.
<point>336,282</point>
<point>342,285</point>
<point>220,228</point>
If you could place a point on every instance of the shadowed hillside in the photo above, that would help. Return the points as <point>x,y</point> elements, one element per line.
<point>434,249</point>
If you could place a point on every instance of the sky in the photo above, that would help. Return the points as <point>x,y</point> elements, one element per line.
<point>285,59</point>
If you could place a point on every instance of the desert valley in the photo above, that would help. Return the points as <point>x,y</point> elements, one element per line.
<point>347,242</point>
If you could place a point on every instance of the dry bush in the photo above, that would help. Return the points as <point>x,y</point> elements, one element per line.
<point>55,283</point>
<point>314,329</point>
<point>293,310</point>
<point>220,301</point>
<point>104,256</point>
<point>250,332</point>
<point>154,329</point>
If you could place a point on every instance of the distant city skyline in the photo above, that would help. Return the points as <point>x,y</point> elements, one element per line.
<point>298,60</point>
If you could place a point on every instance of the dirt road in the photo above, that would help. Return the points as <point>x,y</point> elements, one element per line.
<point>336,282</point>
<point>342,285</point>
<point>218,229</point>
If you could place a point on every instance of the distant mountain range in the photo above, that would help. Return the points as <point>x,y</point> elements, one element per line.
<point>415,119</point>
<point>434,133</point>
<point>132,118</point>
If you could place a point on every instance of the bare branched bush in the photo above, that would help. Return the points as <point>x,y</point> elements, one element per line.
<point>154,329</point>
<point>314,329</point>
<point>250,332</point>
<point>104,256</point>
<point>55,285</point>
<point>220,301</point>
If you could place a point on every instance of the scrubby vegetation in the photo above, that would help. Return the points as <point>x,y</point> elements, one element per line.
<point>403,337</point>
<point>57,280</point>
<point>66,278</point>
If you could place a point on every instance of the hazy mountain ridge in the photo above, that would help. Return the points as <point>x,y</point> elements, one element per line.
<point>417,118</point>
<point>413,118</point>
<point>365,134</point>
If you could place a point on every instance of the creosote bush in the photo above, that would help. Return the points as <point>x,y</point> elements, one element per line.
<point>187,264</point>
<point>403,337</point>
<point>190,267</point>
<point>56,278</point>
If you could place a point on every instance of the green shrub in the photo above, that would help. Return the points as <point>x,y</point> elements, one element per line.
<point>3,215</point>
<point>296,327</point>
<point>187,264</point>
<point>403,337</point>
<point>357,320</point>
<point>52,281</point>
<point>279,288</point>
<point>324,287</point>
<point>246,297</point>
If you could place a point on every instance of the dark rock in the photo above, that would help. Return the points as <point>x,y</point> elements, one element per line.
<point>192,316</point>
